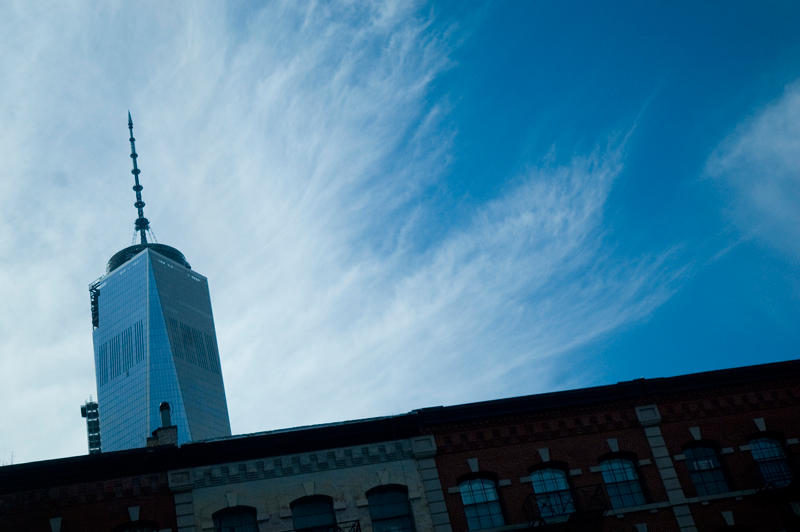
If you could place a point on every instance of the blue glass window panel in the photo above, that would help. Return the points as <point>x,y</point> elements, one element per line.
<point>133,348</point>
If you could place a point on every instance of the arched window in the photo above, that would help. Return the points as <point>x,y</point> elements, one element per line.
<point>481,504</point>
<point>768,454</point>
<point>313,514</point>
<point>622,483</point>
<point>706,470</point>
<point>389,509</point>
<point>552,492</point>
<point>235,519</point>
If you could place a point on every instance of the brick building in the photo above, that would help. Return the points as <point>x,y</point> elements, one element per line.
<point>120,491</point>
<point>703,452</point>
<point>345,477</point>
<point>707,452</point>
<point>352,476</point>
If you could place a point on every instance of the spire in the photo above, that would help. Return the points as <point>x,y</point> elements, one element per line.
<point>142,224</point>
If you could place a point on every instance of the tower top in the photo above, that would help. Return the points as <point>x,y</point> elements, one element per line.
<point>142,224</point>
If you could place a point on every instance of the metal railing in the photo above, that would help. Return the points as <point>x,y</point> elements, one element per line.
<point>347,526</point>
<point>767,475</point>
<point>581,506</point>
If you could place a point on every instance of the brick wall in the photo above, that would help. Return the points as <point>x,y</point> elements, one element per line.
<point>90,506</point>
<point>506,448</point>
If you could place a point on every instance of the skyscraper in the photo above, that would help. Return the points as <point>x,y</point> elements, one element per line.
<point>154,342</point>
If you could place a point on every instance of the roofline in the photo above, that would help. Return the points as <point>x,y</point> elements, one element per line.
<point>153,460</point>
<point>638,391</point>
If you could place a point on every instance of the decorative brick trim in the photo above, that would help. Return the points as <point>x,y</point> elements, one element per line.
<point>648,415</point>
<point>433,491</point>
<point>423,446</point>
<point>184,510</point>
<point>298,464</point>
<point>669,476</point>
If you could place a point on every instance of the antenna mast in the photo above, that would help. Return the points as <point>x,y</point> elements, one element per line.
<point>142,224</point>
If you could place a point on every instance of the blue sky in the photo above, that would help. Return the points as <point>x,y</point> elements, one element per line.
<point>680,77</point>
<point>402,204</point>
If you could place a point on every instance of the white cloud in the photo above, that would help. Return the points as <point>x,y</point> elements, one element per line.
<point>759,167</point>
<point>290,154</point>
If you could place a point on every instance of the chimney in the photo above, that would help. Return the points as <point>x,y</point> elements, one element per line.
<point>164,409</point>
<point>167,434</point>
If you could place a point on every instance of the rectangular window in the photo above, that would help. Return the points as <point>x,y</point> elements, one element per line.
<point>551,489</point>
<point>481,504</point>
<point>313,514</point>
<point>705,470</point>
<point>771,459</point>
<point>622,483</point>
<point>389,511</point>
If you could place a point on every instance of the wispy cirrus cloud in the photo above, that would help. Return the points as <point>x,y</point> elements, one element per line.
<point>758,165</point>
<point>293,152</point>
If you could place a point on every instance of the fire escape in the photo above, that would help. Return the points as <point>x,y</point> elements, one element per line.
<point>777,487</point>
<point>579,508</point>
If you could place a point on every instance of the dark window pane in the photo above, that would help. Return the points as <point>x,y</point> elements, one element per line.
<point>552,492</point>
<point>622,483</point>
<point>768,454</point>
<point>237,519</point>
<point>546,480</point>
<point>706,471</point>
<point>313,514</point>
<point>387,504</point>
<point>481,506</point>
<point>389,511</point>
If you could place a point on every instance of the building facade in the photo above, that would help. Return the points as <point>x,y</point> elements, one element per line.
<point>709,452</point>
<point>374,475</point>
<point>364,476</point>
<point>125,491</point>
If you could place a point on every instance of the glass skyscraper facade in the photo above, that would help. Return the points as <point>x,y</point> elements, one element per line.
<point>154,341</point>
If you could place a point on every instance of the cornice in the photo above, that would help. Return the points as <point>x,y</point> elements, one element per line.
<point>289,465</point>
